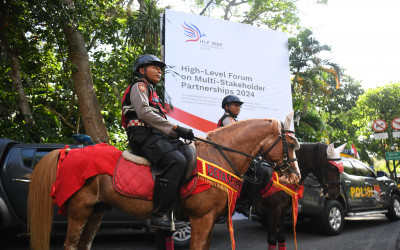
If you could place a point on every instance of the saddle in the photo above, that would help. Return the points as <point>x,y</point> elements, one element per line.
<point>134,175</point>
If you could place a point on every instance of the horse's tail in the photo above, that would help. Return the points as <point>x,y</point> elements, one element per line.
<point>40,204</point>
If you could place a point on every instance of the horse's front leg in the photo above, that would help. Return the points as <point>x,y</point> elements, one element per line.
<point>203,209</point>
<point>271,229</point>
<point>201,232</point>
<point>281,232</point>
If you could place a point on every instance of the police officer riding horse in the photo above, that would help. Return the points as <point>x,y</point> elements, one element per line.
<point>258,174</point>
<point>231,104</point>
<point>151,135</point>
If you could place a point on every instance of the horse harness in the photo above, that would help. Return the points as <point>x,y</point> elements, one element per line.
<point>261,155</point>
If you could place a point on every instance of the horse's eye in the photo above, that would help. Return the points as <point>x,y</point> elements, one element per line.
<point>292,146</point>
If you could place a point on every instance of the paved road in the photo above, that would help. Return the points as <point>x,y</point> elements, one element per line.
<point>360,233</point>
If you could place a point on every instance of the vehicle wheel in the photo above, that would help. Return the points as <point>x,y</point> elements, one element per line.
<point>182,237</point>
<point>394,208</point>
<point>333,218</point>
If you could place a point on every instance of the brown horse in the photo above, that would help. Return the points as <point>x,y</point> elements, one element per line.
<point>86,207</point>
<point>323,162</point>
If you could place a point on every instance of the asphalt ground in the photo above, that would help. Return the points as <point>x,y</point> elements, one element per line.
<point>359,233</point>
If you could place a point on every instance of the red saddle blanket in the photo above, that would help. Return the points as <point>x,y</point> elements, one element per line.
<point>136,181</point>
<point>79,165</point>
<point>129,179</point>
<point>133,180</point>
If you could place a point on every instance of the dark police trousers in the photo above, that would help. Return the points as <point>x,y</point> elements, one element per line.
<point>162,152</point>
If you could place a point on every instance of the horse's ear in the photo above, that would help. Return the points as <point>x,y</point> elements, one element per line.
<point>333,152</point>
<point>341,148</point>
<point>330,151</point>
<point>288,120</point>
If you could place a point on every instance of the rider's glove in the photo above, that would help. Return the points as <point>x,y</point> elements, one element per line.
<point>173,134</point>
<point>185,133</point>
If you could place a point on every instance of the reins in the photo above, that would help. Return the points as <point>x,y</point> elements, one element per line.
<point>220,148</point>
<point>260,156</point>
<point>223,147</point>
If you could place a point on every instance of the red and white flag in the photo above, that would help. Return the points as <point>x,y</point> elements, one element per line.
<point>354,151</point>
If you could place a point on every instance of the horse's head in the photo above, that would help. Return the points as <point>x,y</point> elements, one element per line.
<point>329,175</point>
<point>279,149</point>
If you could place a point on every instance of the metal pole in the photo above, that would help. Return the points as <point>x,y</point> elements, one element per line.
<point>393,150</point>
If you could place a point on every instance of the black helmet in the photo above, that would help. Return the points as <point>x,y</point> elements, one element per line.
<point>230,99</point>
<point>147,60</point>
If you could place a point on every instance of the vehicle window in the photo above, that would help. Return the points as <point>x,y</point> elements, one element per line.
<point>38,156</point>
<point>362,170</point>
<point>28,156</point>
<point>348,168</point>
<point>31,157</point>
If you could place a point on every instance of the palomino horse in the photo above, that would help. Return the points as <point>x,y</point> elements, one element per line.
<point>87,206</point>
<point>325,164</point>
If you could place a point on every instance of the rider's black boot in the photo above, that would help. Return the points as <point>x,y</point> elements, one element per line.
<point>163,197</point>
<point>255,179</point>
<point>244,207</point>
<point>244,202</point>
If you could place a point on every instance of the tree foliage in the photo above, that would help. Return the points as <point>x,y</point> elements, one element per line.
<point>323,95</point>
<point>115,33</point>
<point>36,29</point>
<point>274,14</point>
<point>378,103</point>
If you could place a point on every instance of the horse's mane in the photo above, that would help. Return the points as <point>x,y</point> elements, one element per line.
<point>311,155</point>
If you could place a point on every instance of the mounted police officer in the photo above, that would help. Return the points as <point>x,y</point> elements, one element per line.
<point>150,134</point>
<point>257,170</point>
<point>231,104</point>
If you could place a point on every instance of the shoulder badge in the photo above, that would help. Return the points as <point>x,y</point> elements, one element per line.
<point>232,120</point>
<point>142,87</point>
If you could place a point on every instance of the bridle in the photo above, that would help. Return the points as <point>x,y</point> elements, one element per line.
<point>261,155</point>
<point>285,165</point>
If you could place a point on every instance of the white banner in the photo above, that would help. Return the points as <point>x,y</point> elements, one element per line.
<point>210,58</point>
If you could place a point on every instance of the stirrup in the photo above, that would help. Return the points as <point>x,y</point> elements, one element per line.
<point>162,222</point>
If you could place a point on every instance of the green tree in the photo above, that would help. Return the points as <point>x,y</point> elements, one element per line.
<point>59,38</point>
<point>309,84</point>
<point>322,94</point>
<point>378,103</point>
<point>12,52</point>
<point>274,14</point>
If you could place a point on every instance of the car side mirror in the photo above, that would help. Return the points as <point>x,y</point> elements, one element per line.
<point>380,173</point>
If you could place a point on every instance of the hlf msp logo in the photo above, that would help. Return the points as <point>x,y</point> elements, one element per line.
<point>191,31</point>
<point>194,34</point>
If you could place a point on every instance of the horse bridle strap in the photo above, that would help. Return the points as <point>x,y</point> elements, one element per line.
<point>220,147</point>
<point>223,147</point>
<point>286,160</point>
